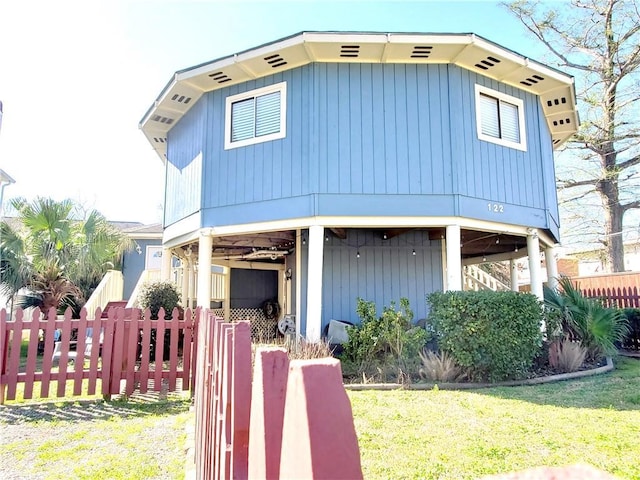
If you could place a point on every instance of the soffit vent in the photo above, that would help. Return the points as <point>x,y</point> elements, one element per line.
<point>161,119</point>
<point>275,60</point>
<point>532,80</point>
<point>181,99</point>
<point>350,51</point>
<point>220,77</point>
<point>562,121</point>
<point>487,63</point>
<point>556,102</point>
<point>160,139</point>
<point>421,51</point>
<point>556,141</point>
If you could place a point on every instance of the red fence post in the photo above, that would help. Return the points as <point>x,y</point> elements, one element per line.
<point>271,369</point>
<point>318,433</point>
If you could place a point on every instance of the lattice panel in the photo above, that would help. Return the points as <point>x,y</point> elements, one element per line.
<point>262,329</point>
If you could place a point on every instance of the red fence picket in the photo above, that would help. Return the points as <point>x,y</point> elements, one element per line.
<point>226,406</point>
<point>621,297</point>
<point>114,350</point>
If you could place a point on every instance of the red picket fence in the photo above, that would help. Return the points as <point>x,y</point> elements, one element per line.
<point>625,297</point>
<point>115,350</point>
<point>293,421</point>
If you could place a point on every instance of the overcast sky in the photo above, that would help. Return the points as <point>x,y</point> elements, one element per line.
<point>76,77</point>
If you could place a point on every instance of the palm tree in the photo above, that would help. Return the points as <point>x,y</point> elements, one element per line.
<point>56,256</point>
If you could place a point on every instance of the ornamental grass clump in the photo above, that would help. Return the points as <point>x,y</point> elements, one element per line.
<point>571,356</point>
<point>440,367</point>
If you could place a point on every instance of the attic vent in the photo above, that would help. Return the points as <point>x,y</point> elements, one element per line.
<point>161,119</point>
<point>275,60</point>
<point>532,80</point>
<point>556,101</point>
<point>561,122</point>
<point>181,98</point>
<point>350,51</point>
<point>160,139</point>
<point>487,63</point>
<point>421,51</point>
<point>220,77</point>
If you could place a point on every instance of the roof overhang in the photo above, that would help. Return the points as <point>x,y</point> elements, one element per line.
<point>555,89</point>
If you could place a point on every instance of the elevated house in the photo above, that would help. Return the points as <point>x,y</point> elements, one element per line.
<point>327,166</point>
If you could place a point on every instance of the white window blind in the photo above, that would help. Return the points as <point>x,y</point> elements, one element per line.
<point>256,116</point>
<point>500,118</point>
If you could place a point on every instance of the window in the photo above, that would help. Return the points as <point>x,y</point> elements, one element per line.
<point>255,116</point>
<point>500,118</point>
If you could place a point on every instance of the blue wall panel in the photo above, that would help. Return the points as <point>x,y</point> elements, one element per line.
<point>184,165</point>
<point>360,129</point>
<point>386,271</point>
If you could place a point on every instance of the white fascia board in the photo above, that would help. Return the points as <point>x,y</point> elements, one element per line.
<point>454,39</point>
<point>206,68</point>
<point>368,222</point>
<point>182,231</point>
<point>267,49</point>
<point>345,37</point>
<point>500,51</point>
<point>549,72</point>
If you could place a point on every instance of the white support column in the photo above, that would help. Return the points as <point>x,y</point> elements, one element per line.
<point>165,269</point>
<point>535,271</point>
<point>454,258</point>
<point>186,278</point>
<point>226,304</point>
<point>298,311</point>
<point>314,283</point>
<point>552,267</point>
<point>514,275</point>
<point>205,249</point>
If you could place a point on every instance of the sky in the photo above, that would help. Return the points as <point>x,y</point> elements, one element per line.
<point>76,77</point>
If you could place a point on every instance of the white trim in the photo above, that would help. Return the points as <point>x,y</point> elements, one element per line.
<point>522,145</point>
<point>277,87</point>
<point>184,230</point>
<point>368,222</point>
<point>298,280</point>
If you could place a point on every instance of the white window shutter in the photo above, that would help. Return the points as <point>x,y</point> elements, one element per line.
<point>509,122</point>
<point>268,114</point>
<point>489,118</point>
<point>242,120</point>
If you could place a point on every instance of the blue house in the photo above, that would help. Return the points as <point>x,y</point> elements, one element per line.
<point>328,166</point>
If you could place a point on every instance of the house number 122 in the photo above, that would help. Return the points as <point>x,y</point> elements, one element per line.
<point>495,207</point>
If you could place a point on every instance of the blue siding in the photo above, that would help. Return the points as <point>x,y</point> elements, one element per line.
<point>184,166</point>
<point>133,265</point>
<point>357,130</point>
<point>386,271</point>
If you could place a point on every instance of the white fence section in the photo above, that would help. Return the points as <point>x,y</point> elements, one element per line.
<point>110,289</point>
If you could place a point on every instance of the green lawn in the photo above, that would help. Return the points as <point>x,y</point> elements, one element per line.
<point>455,434</point>
<point>133,440</point>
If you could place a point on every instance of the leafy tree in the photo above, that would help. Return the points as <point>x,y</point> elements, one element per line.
<point>58,258</point>
<point>599,42</point>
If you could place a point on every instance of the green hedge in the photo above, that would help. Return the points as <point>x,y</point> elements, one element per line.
<point>496,335</point>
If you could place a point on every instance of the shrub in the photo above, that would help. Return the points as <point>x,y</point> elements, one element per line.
<point>385,344</point>
<point>571,356</point>
<point>496,335</point>
<point>156,295</point>
<point>597,327</point>
<point>632,339</point>
<point>440,367</point>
